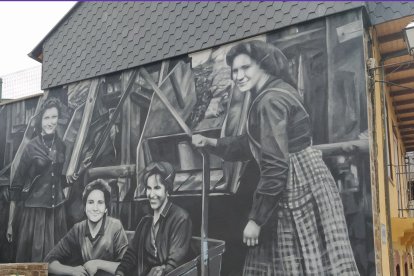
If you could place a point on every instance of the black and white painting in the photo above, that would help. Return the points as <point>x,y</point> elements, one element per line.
<point>256,150</point>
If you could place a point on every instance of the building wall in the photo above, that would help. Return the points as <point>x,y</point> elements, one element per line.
<point>398,193</point>
<point>326,64</point>
<point>391,179</point>
<point>398,183</point>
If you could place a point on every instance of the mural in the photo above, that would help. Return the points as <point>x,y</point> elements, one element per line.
<point>101,238</point>
<point>260,146</point>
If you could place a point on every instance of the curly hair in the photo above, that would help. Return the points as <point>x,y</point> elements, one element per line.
<point>47,104</point>
<point>101,185</point>
<point>267,56</point>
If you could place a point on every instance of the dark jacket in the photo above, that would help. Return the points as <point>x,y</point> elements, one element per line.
<point>38,178</point>
<point>277,125</point>
<point>172,243</point>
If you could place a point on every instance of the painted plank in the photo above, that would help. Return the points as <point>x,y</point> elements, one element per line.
<point>84,127</point>
<point>28,135</point>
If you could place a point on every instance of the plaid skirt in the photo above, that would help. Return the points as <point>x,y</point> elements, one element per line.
<point>308,233</point>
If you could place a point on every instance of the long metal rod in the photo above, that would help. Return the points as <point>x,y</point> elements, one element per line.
<point>204,213</point>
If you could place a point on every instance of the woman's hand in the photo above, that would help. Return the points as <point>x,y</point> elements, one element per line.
<point>251,233</point>
<point>201,141</point>
<point>72,178</point>
<point>85,164</point>
<point>9,233</point>
<point>78,271</point>
<point>157,271</point>
<point>91,267</point>
<point>66,192</point>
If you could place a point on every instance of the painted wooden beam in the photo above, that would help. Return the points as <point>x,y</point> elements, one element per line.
<point>84,126</point>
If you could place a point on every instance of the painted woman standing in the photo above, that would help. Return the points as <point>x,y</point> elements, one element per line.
<point>38,186</point>
<point>296,224</point>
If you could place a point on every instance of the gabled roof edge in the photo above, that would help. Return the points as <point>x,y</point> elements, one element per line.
<point>37,51</point>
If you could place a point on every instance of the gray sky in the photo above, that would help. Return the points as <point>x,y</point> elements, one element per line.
<point>22,26</point>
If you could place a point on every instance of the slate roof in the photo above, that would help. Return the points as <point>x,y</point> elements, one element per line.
<point>380,12</point>
<point>97,38</point>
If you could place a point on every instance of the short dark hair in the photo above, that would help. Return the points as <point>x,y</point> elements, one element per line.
<point>47,104</point>
<point>165,170</point>
<point>267,56</point>
<point>101,185</point>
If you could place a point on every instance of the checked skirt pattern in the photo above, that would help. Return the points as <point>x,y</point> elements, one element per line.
<point>308,232</point>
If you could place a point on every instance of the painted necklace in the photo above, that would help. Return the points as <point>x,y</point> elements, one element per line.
<point>51,151</point>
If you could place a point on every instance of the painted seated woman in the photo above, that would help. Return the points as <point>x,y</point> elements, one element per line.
<point>161,240</point>
<point>94,246</point>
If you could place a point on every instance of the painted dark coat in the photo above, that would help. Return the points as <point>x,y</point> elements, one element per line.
<point>172,243</point>
<point>38,185</point>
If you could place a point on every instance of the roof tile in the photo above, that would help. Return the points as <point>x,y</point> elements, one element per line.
<point>102,37</point>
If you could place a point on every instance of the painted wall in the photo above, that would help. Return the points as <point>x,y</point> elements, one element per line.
<point>115,125</point>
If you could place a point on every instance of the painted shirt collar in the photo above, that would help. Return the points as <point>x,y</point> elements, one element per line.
<point>100,232</point>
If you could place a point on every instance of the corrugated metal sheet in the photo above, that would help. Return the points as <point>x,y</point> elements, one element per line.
<point>98,38</point>
<point>22,83</point>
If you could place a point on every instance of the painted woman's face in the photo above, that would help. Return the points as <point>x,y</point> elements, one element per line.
<point>95,206</point>
<point>49,120</point>
<point>156,192</point>
<point>246,73</point>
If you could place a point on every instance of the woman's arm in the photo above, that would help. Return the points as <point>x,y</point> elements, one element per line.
<point>120,242</point>
<point>15,190</point>
<point>274,164</point>
<point>57,268</point>
<point>129,261</point>
<point>232,148</point>
<point>93,266</point>
<point>67,250</point>
<point>120,245</point>
<point>9,234</point>
<point>180,238</point>
<point>21,175</point>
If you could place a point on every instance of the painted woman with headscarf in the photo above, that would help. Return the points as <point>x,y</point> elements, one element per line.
<point>296,223</point>
<point>38,186</point>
